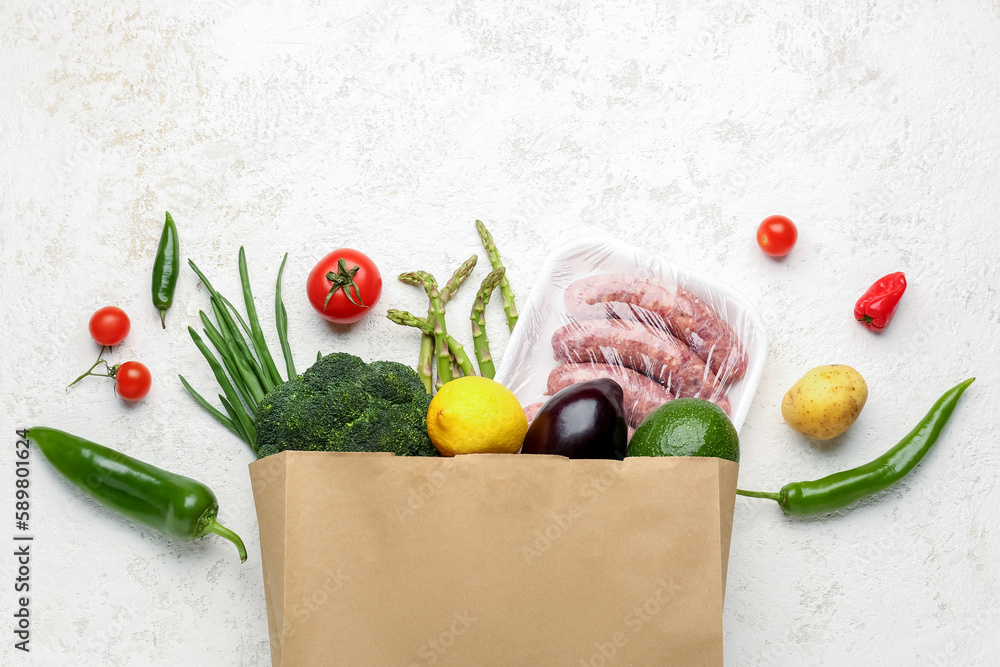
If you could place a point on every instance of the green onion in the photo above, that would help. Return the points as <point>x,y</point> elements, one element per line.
<point>259,344</point>
<point>220,375</point>
<point>249,368</point>
<point>246,374</point>
<point>243,434</point>
<point>223,419</point>
<point>281,319</point>
<point>229,362</point>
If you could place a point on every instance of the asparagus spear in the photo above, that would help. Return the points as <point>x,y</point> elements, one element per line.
<point>425,362</point>
<point>461,357</point>
<point>455,348</point>
<point>461,274</point>
<point>505,291</point>
<point>457,278</point>
<point>436,318</point>
<point>478,317</point>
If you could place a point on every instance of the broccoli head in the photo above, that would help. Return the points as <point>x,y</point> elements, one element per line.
<point>342,404</point>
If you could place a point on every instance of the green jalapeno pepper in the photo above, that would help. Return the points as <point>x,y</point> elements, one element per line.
<point>166,268</point>
<point>839,490</point>
<point>177,506</point>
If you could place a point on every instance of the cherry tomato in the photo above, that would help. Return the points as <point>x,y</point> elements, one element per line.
<point>133,381</point>
<point>109,325</point>
<point>344,285</point>
<point>777,235</point>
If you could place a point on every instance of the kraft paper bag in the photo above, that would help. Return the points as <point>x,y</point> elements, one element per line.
<point>491,559</point>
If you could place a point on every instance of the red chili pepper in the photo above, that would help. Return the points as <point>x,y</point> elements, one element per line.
<point>877,306</point>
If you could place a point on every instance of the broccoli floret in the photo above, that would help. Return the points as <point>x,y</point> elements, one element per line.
<point>334,370</point>
<point>342,404</point>
<point>396,383</point>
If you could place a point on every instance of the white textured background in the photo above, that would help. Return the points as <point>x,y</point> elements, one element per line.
<point>391,126</point>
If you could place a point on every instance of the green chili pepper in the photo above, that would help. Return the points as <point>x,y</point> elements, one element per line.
<point>839,490</point>
<point>179,507</point>
<point>166,268</point>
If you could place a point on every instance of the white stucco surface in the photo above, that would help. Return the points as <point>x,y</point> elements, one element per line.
<point>676,126</point>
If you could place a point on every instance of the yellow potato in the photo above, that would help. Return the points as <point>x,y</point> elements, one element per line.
<point>825,401</point>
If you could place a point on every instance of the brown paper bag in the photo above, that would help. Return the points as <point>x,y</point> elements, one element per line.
<point>489,559</point>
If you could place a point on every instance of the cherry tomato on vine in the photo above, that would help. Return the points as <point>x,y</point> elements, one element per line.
<point>344,285</point>
<point>777,235</point>
<point>109,325</point>
<point>132,380</point>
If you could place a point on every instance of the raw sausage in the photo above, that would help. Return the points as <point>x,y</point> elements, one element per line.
<point>709,336</point>
<point>678,311</point>
<point>648,350</point>
<point>642,395</point>
<point>531,411</point>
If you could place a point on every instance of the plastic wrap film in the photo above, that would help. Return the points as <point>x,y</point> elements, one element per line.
<point>600,308</point>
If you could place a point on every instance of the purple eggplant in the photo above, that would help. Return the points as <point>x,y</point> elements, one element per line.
<point>585,420</point>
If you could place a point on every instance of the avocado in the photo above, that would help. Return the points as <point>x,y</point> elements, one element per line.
<point>686,427</point>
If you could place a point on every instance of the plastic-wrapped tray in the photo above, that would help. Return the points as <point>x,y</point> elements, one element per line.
<point>596,263</point>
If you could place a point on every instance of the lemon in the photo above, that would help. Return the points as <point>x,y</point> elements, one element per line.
<point>473,415</point>
<point>686,427</point>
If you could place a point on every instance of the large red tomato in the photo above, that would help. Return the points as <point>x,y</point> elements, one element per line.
<point>344,285</point>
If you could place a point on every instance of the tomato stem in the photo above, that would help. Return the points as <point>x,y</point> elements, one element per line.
<point>343,279</point>
<point>110,373</point>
